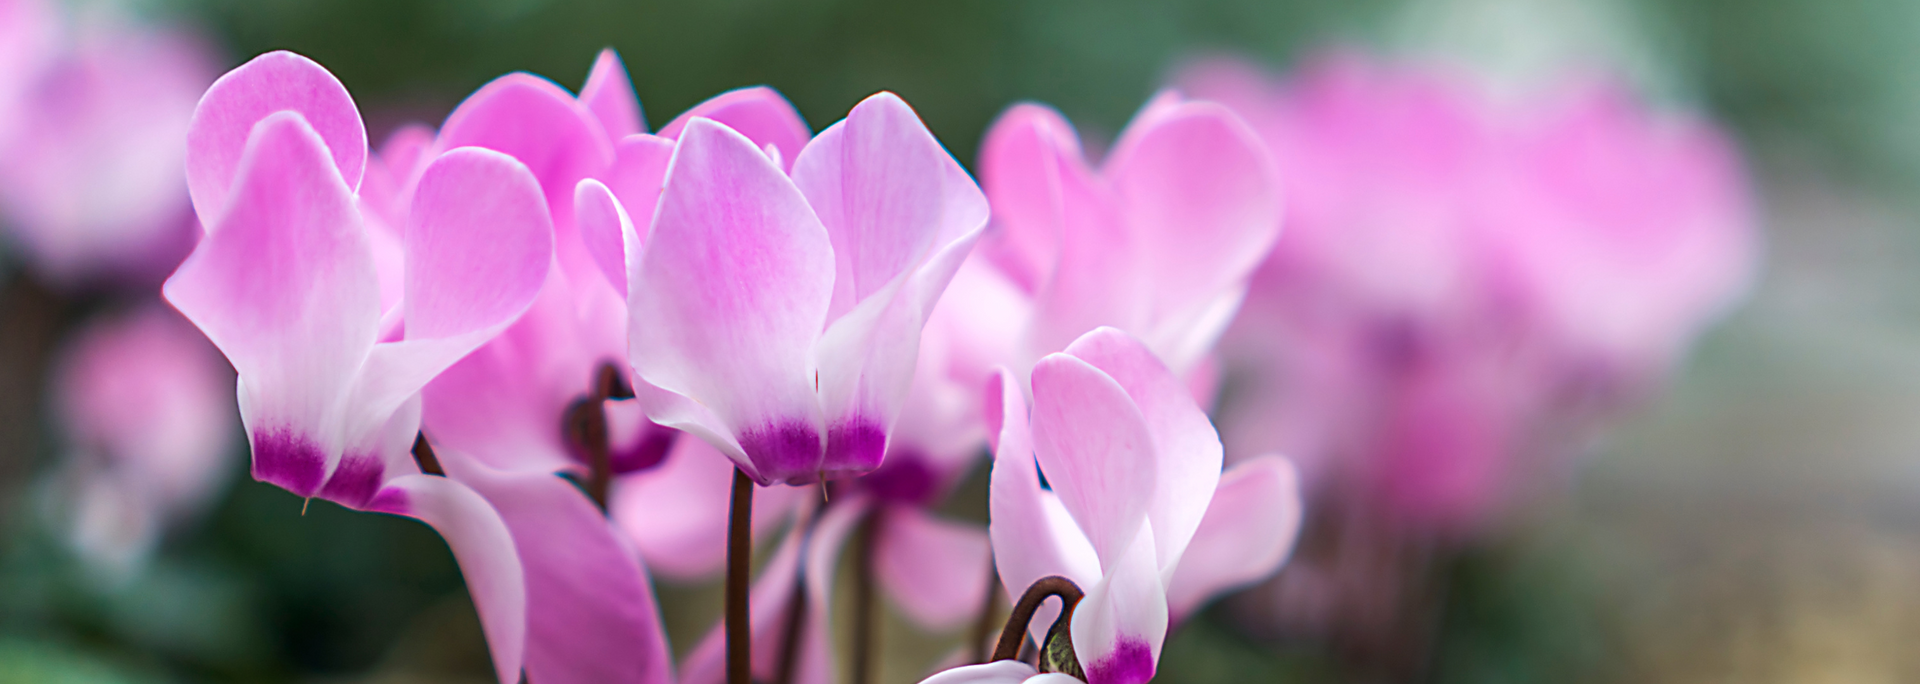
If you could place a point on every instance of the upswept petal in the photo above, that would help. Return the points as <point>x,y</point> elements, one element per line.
<point>484,549</point>
<point>727,300</point>
<point>1249,529</point>
<point>1033,536</point>
<point>285,286</point>
<point>591,615</point>
<point>1099,277</point>
<point>676,512</point>
<point>1188,450</point>
<point>759,113</point>
<point>638,173</point>
<point>1119,627</point>
<point>884,188</point>
<point>1025,153</point>
<point>935,570</point>
<point>272,82</point>
<point>604,227</point>
<point>1201,195</point>
<point>609,95</point>
<point>1095,449</point>
<point>996,672</point>
<point>544,127</point>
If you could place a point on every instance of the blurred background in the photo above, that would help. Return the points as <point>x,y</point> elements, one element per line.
<point>1757,521</point>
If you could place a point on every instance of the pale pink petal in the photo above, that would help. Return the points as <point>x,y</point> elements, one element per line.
<point>935,570</point>
<point>1119,627</point>
<point>1094,447</point>
<point>591,615</point>
<point>604,227</point>
<point>676,513</point>
<point>387,190</point>
<point>1202,196</point>
<point>485,551</point>
<point>1188,450</point>
<point>503,404</point>
<point>759,113</point>
<point>285,286</point>
<point>272,82</point>
<point>727,300</point>
<point>1248,531</point>
<point>478,244</point>
<point>609,95</point>
<point>1033,535</point>
<point>996,672</point>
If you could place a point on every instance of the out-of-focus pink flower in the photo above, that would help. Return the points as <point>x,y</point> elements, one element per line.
<point>776,314</point>
<point>285,284</point>
<point>1158,241</point>
<point>92,144</point>
<point>29,31</point>
<point>143,402</point>
<point>1464,273</point>
<point>1134,509</point>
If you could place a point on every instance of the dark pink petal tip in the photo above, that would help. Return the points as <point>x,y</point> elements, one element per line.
<point>1131,662</point>
<point>644,453</point>
<point>788,453</point>
<point>355,480</point>
<point>854,447</point>
<point>290,461</point>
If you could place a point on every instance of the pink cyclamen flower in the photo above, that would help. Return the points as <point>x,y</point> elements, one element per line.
<point>1135,508</point>
<point>144,403</point>
<point>777,314</point>
<point>91,187</point>
<point>1159,240</point>
<point>1465,272</point>
<point>285,284</point>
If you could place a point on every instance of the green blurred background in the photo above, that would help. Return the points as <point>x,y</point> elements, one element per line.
<point>1760,523</point>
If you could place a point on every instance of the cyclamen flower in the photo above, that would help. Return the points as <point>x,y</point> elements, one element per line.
<point>144,404</point>
<point>1135,510</point>
<point>92,142</point>
<point>1158,241</point>
<point>777,315</point>
<point>285,284</point>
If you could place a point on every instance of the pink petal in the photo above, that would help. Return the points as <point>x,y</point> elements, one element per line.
<point>759,113</point>
<point>591,615</point>
<point>604,227</point>
<point>934,570</point>
<point>1094,446</point>
<point>1033,535</point>
<point>996,672</point>
<point>502,404</point>
<point>1120,625</point>
<point>609,95</point>
<point>638,173</point>
<point>485,551</point>
<point>1248,531</point>
<point>477,246</point>
<point>676,512</point>
<point>272,82</point>
<point>726,303</point>
<point>541,125</point>
<point>1188,449</point>
<point>285,286</point>
<point>1025,153</point>
<point>1202,196</point>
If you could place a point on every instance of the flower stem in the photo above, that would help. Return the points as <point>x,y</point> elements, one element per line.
<point>1015,632</point>
<point>739,557</point>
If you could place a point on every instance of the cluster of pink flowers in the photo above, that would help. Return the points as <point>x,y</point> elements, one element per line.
<point>557,338</point>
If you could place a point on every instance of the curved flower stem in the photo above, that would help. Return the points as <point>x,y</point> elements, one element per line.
<point>977,637</point>
<point>739,558</point>
<point>863,603</point>
<point>1015,631</point>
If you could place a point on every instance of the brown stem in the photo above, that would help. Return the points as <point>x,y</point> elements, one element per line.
<point>739,557</point>
<point>863,603</point>
<point>1016,629</point>
<point>423,455</point>
<point>977,637</point>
